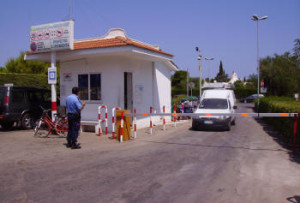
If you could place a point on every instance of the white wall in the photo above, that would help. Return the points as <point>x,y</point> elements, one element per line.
<point>112,69</point>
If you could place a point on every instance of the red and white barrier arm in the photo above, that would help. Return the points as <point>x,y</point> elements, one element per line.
<point>113,121</point>
<point>151,125</point>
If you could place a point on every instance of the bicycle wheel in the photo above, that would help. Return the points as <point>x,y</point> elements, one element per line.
<point>37,126</point>
<point>63,127</point>
<point>43,129</point>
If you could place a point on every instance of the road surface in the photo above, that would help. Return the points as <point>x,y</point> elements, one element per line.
<point>178,165</point>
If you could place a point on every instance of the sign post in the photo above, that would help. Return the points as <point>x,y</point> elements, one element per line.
<point>52,80</point>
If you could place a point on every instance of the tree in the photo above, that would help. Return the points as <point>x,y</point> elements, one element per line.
<point>281,73</point>
<point>221,76</point>
<point>179,82</point>
<point>297,49</point>
<point>19,65</point>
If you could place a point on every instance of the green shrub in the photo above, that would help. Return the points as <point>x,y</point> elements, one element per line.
<point>242,92</point>
<point>284,126</point>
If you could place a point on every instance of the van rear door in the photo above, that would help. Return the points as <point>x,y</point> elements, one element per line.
<point>3,91</point>
<point>17,103</point>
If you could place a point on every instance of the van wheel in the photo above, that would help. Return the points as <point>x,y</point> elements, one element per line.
<point>228,127</point>
<point>233,122</point>
<point>26,121</point>
<point>194,126</point>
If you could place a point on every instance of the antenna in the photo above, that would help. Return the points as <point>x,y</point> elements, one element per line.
<point>70,9</point>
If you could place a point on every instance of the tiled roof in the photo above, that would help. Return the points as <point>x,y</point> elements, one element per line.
<point>114,42</point>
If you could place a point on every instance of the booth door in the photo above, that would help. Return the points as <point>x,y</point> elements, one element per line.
<point>128,91</point>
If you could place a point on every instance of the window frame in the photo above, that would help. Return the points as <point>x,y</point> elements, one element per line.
<point>89,86</point>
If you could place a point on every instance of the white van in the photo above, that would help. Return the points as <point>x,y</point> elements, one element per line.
<point>222,92</point>
<point>215,101</point>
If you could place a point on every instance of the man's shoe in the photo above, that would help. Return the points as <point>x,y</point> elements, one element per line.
<point>75,146</point>
<point>69,145</point>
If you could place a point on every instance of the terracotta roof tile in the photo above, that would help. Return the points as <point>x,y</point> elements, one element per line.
<point>114,42</point>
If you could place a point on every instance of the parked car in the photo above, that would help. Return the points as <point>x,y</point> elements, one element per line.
<point>217,101</point>
<point>251,98</point>
<point>22,105</point>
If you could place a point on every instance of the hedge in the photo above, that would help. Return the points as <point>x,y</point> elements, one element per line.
<point>30,80</point>
<point>284,126</point>
<point>244,92</point>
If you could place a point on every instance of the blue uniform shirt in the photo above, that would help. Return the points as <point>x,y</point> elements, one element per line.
<point>73,104</point>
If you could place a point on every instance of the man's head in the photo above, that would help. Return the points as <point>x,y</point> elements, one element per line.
<point>75,90</point>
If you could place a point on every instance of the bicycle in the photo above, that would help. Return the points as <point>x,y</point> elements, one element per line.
<point>45,125</point>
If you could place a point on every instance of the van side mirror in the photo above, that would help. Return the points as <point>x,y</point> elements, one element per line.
<point>234,107</point>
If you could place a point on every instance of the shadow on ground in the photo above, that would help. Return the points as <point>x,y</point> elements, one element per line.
<point>295,157</point>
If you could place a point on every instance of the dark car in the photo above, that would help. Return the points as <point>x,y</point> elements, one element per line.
<point>251,98</point>
<point>22,105</point>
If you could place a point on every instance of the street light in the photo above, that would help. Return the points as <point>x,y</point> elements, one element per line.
<point>209,59</point>
<point>256,18</point>
<point>200,69</point>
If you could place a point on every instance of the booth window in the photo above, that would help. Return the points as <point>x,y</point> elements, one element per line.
<point>89,86</point>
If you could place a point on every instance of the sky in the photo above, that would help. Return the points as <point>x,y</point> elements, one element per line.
<point>222,29</point>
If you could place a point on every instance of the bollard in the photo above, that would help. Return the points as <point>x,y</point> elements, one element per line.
<point>122,124</point>
<point>103,120</point>
<point>113,121</point>
<point>99,121</point>
<point>182,111</point>
<point>164,119</point>
<point>134,125</point>
<point>151,125</point>
<point>174,111</point>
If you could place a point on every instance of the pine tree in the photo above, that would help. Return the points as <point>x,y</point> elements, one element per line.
<point>221,76</point>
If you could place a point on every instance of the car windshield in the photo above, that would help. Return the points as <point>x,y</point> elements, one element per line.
<point>214,104</point>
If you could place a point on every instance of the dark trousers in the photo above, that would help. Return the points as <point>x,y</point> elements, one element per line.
<point>74,126</point>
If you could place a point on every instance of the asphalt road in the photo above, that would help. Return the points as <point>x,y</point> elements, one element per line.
<point>178,165</point>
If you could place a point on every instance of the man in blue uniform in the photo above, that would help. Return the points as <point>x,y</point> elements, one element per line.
<point>74,107</point>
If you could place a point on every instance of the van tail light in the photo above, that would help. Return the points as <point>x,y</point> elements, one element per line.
<point>6,100</point>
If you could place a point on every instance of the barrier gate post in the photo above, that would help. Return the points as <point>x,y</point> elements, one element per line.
<point>134,125</point>
<point>113,121</point>
<point>151,125</point>
<point>164,119</point>
<point>295,132</point>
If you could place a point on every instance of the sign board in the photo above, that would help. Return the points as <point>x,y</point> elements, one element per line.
<point>52,76</point>
<point>192,84</point>
<point>51,37</point>
<point>263,90</point>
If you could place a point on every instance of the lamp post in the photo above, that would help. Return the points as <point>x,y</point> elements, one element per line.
<point>209,59</point>
<point>200,70</point>
<point>256,18</point>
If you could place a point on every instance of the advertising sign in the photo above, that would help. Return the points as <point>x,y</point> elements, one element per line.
<point>52,77</point>
<point>52,36</point>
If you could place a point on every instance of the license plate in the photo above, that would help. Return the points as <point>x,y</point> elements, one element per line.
<point>208,122</point>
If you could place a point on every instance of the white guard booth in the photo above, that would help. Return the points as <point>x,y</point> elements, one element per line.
<point>116,71</point>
